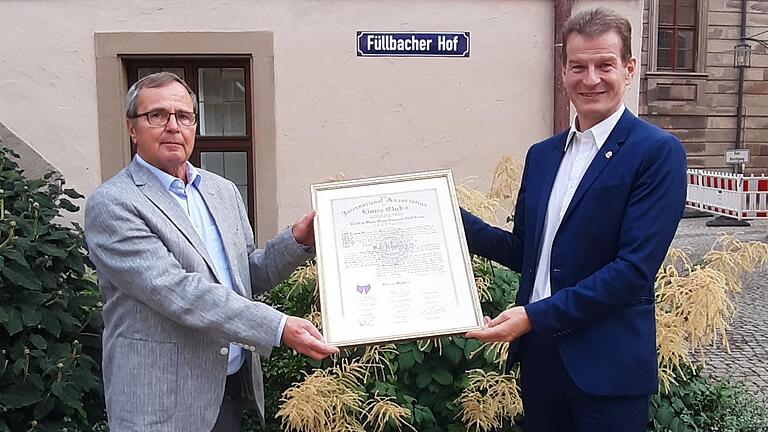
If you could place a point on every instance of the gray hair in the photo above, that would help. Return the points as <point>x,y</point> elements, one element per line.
<point>155,80</point>
<point>596,22</point>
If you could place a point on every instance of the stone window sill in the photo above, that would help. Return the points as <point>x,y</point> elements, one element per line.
<point>669,74</point>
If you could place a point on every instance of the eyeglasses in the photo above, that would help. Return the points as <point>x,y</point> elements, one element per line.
<point>161,118</point>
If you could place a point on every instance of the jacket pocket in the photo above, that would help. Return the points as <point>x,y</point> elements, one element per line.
<point>642,301</point>
<point>142,384</point>
<point>606,190</point>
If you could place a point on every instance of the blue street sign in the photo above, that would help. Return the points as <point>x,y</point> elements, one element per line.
<point>405,44</point>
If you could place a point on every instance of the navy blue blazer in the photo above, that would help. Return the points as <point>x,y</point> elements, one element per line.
<point>609,246</point>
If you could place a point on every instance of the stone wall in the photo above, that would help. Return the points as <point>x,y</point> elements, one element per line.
<point>700,108</point>
<point>33,164</point>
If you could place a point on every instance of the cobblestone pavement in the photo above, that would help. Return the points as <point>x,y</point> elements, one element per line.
<point>748,336</point>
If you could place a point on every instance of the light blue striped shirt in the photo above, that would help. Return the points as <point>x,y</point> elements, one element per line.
<point>190,199</point>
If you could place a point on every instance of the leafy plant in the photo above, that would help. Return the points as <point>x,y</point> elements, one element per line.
<point>694,305</point>
<point>414,385</point>
<point>296,296</point>
<point>425,377</point>
<point>695,402</point>
<point>49,379</point>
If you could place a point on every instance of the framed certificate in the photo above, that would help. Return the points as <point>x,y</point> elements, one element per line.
<point>392,260</point>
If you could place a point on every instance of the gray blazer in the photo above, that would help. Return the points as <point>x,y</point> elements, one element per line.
<point>168,322</point>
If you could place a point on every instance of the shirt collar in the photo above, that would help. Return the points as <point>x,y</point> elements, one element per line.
<point>168,180</point>
<point>600,131</point>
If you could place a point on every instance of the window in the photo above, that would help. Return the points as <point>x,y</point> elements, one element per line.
<point>677,35</point>
<point>223,144</point>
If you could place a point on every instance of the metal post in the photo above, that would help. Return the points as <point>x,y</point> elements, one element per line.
<point>739,168</point>
<point>562,106</point>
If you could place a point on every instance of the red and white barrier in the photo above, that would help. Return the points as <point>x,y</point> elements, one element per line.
<point>734,195</point>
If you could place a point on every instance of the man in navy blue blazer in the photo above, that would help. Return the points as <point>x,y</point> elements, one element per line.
<point>597,209</point>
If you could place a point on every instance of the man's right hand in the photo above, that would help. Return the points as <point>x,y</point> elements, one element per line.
<point>304,338</point>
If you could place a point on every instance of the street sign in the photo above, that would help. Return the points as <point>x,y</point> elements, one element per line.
<point>737,156</point>
<point>406,44</point>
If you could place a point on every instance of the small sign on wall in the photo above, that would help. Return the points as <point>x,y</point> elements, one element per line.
<point>737,156</point>
<point>405,44</point>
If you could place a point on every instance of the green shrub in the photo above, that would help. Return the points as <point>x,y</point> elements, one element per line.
<point>284,367</point>
<point>426,377</point>
<point>700,403</point>
<point>49,378</point>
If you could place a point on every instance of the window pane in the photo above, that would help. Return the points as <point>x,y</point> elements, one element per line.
<point>685,60</point>
<point>236,167</point>
<point>222,101</point>
<point>686,13</point>
<point>213,162</point>
<point>685,50</point>
<point>233,166</point>
<point>664,59</point>
<point>664,49</point>
<point>142,72</point>
<point>665,38</point>
<point>667,12</point>
<point>243,194</point>
<point>685,39</point>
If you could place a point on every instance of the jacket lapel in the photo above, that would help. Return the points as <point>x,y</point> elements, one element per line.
<point>215,200</point>
<point>151,187</point>
<point>549,164</point>
<point>604,156</point>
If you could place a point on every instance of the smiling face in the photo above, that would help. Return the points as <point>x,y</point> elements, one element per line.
<point>595,77</point>
<point>166,147</point>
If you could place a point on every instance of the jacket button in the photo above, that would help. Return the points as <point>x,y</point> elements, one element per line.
<point>224,351</point>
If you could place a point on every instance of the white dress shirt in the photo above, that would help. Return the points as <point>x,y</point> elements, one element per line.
<point>580,149</point>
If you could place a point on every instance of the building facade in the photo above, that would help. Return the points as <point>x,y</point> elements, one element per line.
<point>285,100</point>
<point>691,86</point>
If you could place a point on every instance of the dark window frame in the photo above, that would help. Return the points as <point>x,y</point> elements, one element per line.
<point>674,28</point>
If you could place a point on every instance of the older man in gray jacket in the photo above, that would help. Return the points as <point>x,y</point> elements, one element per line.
<point>178,268</point>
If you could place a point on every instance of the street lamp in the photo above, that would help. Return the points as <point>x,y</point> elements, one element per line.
<point>742,59</point>
<point>742,55</point>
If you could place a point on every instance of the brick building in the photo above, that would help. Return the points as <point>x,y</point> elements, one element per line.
<point>690,86</point>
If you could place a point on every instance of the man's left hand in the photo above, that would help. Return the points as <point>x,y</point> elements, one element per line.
<point>304,338</point>
<point>508,326</point>
<point>304,229</point>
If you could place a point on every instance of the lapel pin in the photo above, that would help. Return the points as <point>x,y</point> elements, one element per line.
<point>608,154</point>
